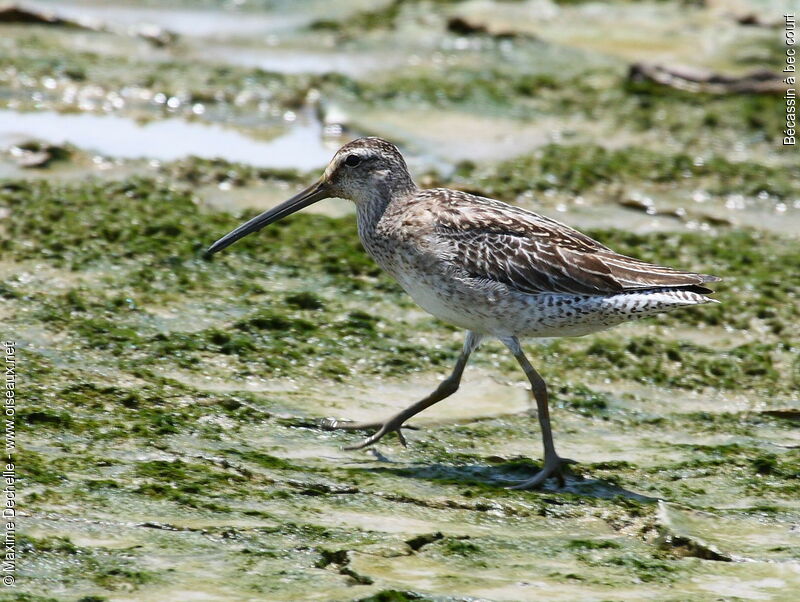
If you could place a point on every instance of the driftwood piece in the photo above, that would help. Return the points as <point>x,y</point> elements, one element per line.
<point>19,15</point>
<point>693,79</point>
<point>755,20</point>
<point>465,26</point>
<point>34,154</point>
<point>15,14</point>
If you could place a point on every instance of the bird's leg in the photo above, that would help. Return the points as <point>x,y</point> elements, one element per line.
<point>553,463</point>
<point>395,423</point>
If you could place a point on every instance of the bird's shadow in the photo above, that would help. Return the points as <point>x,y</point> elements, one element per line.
<point>493,477</point>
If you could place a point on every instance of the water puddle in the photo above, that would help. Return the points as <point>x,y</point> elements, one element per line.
<point>301,147</point>
<point>297,60</point>
<point>197,22</point>
<point>660,31</point>
<point>231,20</point>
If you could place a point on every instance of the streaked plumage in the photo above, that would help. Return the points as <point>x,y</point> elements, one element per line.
<point>500,270</point>
<point>486,266</point>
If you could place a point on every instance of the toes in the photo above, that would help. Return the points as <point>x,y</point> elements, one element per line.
<point>368,441</point>
<point>378,436</point>
<point>533,483</point>
<point>554,469</point>
<point>330,424</point>
<point>402,437</point>
<point>357,446</point>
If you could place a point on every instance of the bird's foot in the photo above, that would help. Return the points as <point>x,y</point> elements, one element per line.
<point>554,466</point>
<point>381,429</point>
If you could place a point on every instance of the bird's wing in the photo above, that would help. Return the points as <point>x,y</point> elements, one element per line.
<point>535,254</point>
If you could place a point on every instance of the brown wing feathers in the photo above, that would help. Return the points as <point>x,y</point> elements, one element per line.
<point>535,254</point>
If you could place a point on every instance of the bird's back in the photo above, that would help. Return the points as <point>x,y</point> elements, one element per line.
<point>497,269</point>
<point>535,254</point>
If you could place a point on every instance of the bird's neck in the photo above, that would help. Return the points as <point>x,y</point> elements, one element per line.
<point>373,204</point>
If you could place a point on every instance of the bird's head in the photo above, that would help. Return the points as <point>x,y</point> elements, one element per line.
<point>362,170</point>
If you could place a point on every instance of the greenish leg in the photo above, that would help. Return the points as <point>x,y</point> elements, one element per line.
<point>553,463</point>
<point>395,423</point>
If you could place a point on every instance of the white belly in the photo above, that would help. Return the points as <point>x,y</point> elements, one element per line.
<point>440,303</point>
<point>498,311</point>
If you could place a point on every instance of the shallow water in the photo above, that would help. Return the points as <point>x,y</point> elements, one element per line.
<point>662,32</point>
<point>301,147</point>
<point>196,22</point>
<point>299,60</point>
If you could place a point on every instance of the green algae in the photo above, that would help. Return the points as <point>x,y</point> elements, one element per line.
<point>168,439</point>
<point>197,171</point>
<point>129,224</point>
<point>680,364</point>
<point>123,224</point>
<point>367,20</point>
<point>40,56</point>
<point>446,476</point>
<point>579,168</point>
<point>693,122</point>
<point>112,571</point>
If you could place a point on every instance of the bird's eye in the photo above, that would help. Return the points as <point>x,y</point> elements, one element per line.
<point>352,160</point>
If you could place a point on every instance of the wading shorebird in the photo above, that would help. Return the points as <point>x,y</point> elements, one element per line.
<point>485,266</point>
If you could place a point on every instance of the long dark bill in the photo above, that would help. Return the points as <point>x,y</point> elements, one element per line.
<point>312,194</point>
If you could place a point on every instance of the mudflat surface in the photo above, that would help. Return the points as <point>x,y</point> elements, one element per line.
<point>168,446</point>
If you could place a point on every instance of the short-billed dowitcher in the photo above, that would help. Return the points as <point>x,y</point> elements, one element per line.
<point>485,266</point>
